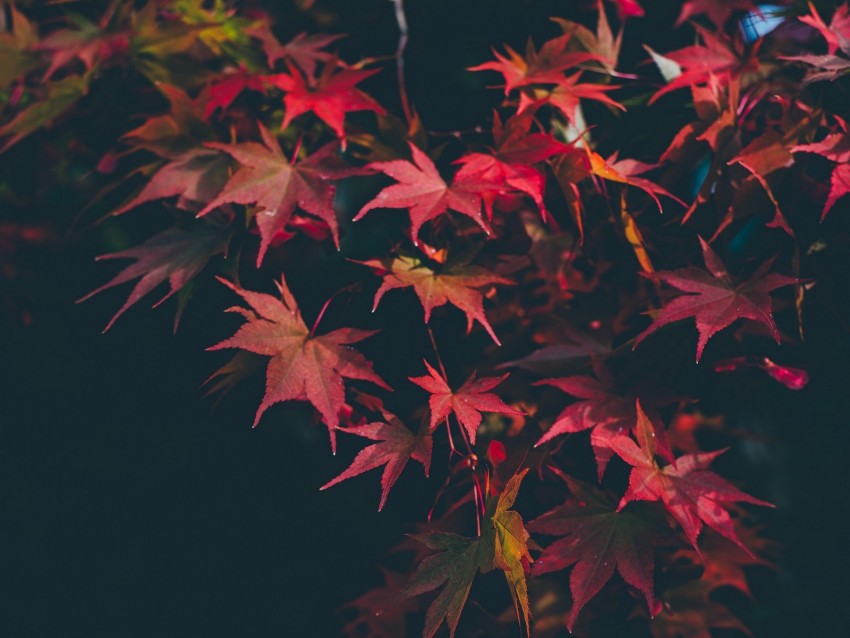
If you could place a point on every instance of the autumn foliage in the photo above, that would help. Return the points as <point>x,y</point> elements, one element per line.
<point>531,310</point>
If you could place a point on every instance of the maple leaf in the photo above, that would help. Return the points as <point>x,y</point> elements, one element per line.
<point>628,171</point>
<point>240,367</point>
<point>715,301</point>
<point>837,34</point>
<point>719,59</point>
<point>597,539</point>
<point>59,96</point>
<point>467,403</point>
<point>690,611</point>
<point>568,93</point>
<point>227,87</point>
<point>716,107</point>
<point>503,544</point>
<point>329,98</point>
<point>628,8</point>
<point>304,50</point>
<point>510,165</point>
<point>454,567</point>
<point>792,378</point>
<point>303,366</point>
<point>690,492</point>
<point>718,11</point>
<point>396,444</point>
<point>269,181</point>
<point>424,193</point>
<point>604,410</point>
<point>217,25</point>
<point>177,131</point>
<point>723,563</point>
<point>537,67</point>
<point>193,176</point>
<point>87,42</point>
<point>834,147</point>
<point>516,144</point>
<point>380,613</point>
<point>16,41</point>
<point>511,553</point>
<point>761,157</point>
<point>174,255</point>
<point>457,285</point>
<point>825,67</point>
<point>603,43</point>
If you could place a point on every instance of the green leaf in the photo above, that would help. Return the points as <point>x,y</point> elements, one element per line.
<point>61,95</point>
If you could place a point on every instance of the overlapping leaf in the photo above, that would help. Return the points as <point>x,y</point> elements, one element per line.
<point>604,410</point>
<point>194,177</point>
<point>693,494</point>
<point>503,544</point>
<point>511,165</point>
<point>836,148</point>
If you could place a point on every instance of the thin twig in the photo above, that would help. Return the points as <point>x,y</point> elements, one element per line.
<point>401,20</point>
<point>437,354</point>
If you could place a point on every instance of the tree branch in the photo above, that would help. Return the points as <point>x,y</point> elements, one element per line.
<point>401,20</point>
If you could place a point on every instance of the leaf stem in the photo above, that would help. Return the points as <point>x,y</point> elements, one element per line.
<point>439,359</point>
<point>325,307</point>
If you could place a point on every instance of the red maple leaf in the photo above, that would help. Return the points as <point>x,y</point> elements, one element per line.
<point>396,444</point>
<point>837,34</point>
<point>303,366</point>
<point>599,538</point>
<point>457,285</point>
<point>510,166</point>
<point>602,43</point>
<point>304,50</point>
<point>424,193</point>
<point>268,180</point>
<point>177,131</point>
<point>718,11</point>
<point>194,177</point>
<point>716,106</point>
<point>834,147</point>
<point>629,171</point>
<point>715,301</point>
<point>380,613</point>
<point>690,492</point>
<point>329,97</point>
<point>87,42</point>
<point>719,59</point>
<point>546,66</point>
<point>568,93</point>
<point>761,157</point>
<point>604,410</point>
<point>227,87</point>
<point>174,255</point>
<point>628,8</point>
<point>467,402</point>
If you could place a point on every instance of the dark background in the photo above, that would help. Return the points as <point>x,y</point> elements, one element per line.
<point>133,506</point>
